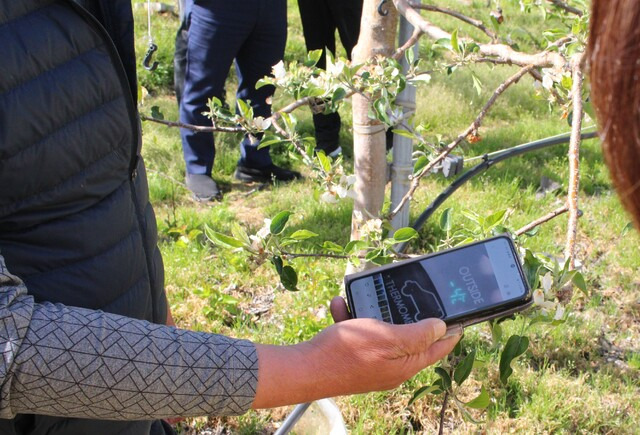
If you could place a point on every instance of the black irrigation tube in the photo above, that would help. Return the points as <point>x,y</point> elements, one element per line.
<point>488,160</point>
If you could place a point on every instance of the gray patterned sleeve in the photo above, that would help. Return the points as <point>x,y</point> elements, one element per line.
<point>73,362</point>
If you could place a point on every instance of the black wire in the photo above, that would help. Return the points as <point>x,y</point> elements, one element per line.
<point>488,161</point>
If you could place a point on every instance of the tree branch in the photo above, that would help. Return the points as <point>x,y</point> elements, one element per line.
<point>472,128</point>
<point>544,219</point>
<point>445,401</point>
<point>216,129</point>
<point>415,37</point>
<point>196,128</point>
<point>500,51</point>
<point>476,23</point>
<point>563,5</point>
<point>574,159</point>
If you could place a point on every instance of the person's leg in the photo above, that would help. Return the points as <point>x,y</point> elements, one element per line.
<point>180,57</point>
<point>347,15</point>
<point>216,32</point>
<point>319,29</point>
<point>263,48</point>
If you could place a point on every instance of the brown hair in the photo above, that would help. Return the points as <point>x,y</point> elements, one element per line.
<point>614,56</point>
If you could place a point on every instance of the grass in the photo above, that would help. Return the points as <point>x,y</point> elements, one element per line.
<point>581,378</point>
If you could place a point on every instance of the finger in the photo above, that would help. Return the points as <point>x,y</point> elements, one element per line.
<point>339,310</point>
<point>430,330</point>
<point>440,349</point>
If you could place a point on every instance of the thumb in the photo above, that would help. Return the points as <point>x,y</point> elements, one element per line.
<point>424,333</point>
<point>339,310</point>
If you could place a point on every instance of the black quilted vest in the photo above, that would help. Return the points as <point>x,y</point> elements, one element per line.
<point>75,220</point>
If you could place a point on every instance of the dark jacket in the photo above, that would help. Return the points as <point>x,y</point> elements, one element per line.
<point>75,220</point>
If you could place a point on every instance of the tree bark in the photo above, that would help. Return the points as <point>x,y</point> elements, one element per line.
<point>377,37</point>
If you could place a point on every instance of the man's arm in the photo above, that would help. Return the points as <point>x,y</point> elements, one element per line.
<point>74,362</point>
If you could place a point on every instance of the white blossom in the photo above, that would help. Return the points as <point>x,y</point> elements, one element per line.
<point>547,282</point>
<point>559,313</point>
<point>329,198</point>
<point>279,71</point>
<point>335,69</point>
<point>372,229</point>
<point>260,123</point>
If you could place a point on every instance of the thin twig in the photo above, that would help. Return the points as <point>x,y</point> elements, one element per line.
<point>337,256</point>
<point>217,129</point>
<point>415,37</point>
<point>563,5</point>
<point>544,219</point>
<point>574,159</point>
<point>472,128</point>
<point>445,401</point>
<point>476,23</point>
<point>196,128</point>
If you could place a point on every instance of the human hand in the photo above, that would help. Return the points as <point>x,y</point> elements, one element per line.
<point>352,356</point>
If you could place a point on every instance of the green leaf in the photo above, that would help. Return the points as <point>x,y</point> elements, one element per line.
<point>372,255</point>
<point>222,240</point>
<point>338,95</point>
<point>404,133</point>
<point>410,55</point>
<point>268,141</point>
<point>480,402</point>
<point>421,392</point>
<point>246,111</point>
<point>240,234</point>
<point>532,269</point>
<point>454,41</point>
<point>463,370</point>
<point>443,43</point>
<point>578,281</point>
<point>325,162</point>
<point>628,227</point>
<point>494,219</point>
<point>279,222</point>
<point>444,375</point>
<point>278,264</point>
<point>516,346</point>
<point>445,220</point>
<point>496,333</point>
<point>313,57</point>
<point>355,246</point>
<point>533,232</point>
<point>380,106</point>
<point>156,113</point>
<point>477,84</point>
<point>289,278</point>
<point>405,234</point>
<point>333,247</point>
<point>303,235</point>
<point>421,163</point>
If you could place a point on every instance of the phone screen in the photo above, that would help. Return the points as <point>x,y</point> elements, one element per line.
<point>446,285</point>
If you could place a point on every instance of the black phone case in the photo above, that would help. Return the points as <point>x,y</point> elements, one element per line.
<point>468,319</point>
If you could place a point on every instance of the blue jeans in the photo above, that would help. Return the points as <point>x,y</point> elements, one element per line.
<point>254,33</point>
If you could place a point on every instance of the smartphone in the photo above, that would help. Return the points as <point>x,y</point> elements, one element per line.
<point>462,286</point>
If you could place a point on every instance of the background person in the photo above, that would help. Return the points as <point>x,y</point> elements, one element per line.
<point>253,33</point>
<point>320,20</point>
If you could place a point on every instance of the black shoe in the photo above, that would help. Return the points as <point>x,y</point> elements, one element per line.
<point>203,187</point>
<point>265,175</point>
